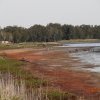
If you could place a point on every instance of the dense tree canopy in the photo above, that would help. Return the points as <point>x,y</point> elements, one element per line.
<point>51,32</point>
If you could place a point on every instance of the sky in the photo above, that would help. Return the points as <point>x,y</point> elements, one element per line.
<point>29,12</point>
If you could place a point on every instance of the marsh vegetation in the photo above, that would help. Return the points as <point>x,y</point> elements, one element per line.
<point>17,84</point>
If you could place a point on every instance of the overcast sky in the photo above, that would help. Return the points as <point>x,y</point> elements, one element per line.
<point>29,12</point>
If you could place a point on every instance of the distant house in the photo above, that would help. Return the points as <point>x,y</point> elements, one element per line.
<point>5,42</point>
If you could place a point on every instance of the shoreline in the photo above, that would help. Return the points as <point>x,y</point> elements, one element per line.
<point>60,69</point>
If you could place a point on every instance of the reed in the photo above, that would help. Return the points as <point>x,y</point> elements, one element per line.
<point>17,84</point>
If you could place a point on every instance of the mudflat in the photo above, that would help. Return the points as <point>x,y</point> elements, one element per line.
<point>59,68</point>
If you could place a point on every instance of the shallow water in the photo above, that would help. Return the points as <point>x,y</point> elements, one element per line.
<point>82,45</point>
<point>95,69</point>
<point>90,58</point>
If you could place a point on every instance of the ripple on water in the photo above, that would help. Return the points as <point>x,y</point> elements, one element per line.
<point>90,58</point>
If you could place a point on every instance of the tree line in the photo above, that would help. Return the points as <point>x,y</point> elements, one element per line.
<point>49,33</point>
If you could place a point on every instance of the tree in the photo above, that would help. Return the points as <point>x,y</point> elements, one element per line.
<point>55,32</point>
<point>38,33</point>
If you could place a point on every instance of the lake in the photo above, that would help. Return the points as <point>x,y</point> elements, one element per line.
<point>82,45</point>
<point>90,57</point>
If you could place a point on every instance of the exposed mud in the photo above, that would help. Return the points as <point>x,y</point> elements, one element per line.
<point>60,69</point>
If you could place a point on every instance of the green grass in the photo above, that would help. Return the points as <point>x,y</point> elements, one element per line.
<point>58,95</point>
<point>80,41</point>
<point>28,45</point>
<point>9,46</point>
<point>45,44</point>
<point>14,67</point>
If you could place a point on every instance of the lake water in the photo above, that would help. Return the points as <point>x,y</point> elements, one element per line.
<point>88,56</point>
<point>82,45</point>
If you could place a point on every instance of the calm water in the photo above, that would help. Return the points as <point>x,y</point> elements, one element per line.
<point>88,56</point>
<point>91,58</point>
<point>82,45</point>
